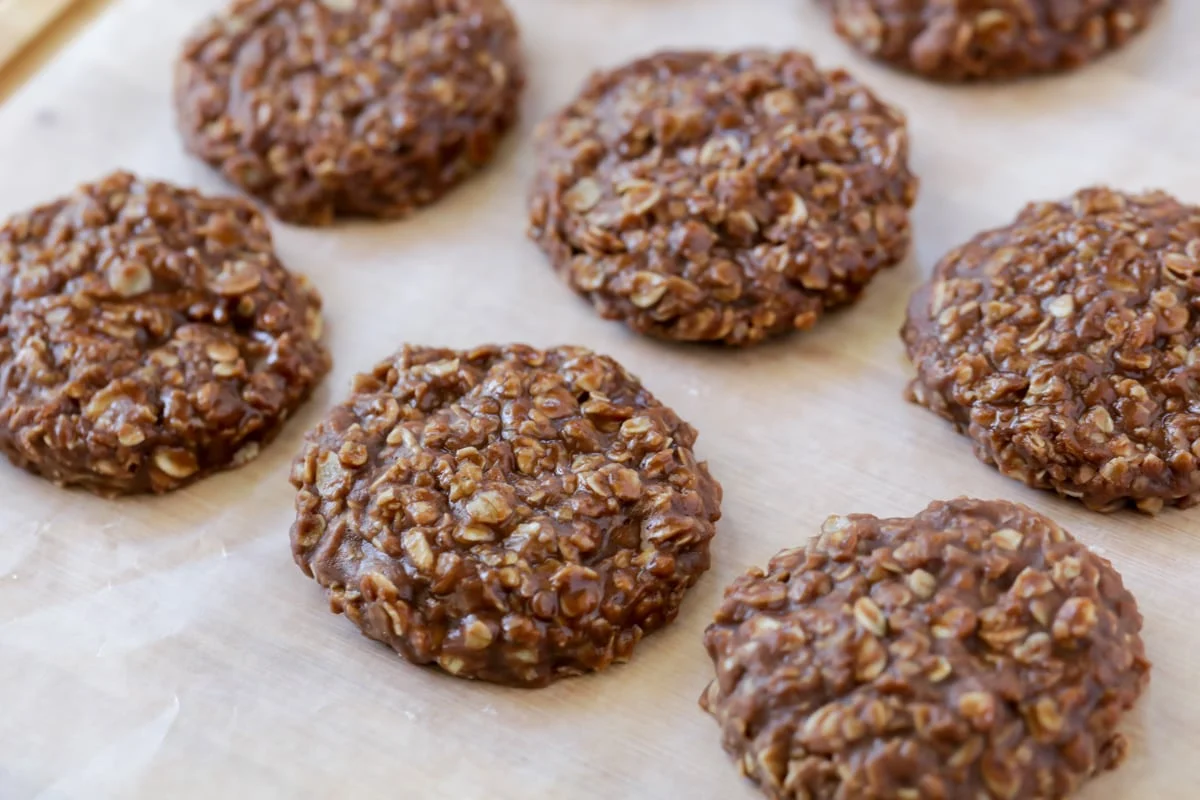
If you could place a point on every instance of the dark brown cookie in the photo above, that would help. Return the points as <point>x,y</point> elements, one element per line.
<point>1066,346</point>
<point>988,39</point>
<point>325,108</point>
<point>975,650</point>
<point>148,336</point>
<point>707,197</point>
<point>513,515</point>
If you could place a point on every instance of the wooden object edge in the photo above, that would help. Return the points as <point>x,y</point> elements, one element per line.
<point>32,31</point>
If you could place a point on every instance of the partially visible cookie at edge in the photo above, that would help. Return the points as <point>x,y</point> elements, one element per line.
<point>1066,346</point>
<point>989,39</point>
<point>149,336</point>
<point>974,650</point>
<point>509,514</point>
<point>700,196</point>
<point>335,108</point>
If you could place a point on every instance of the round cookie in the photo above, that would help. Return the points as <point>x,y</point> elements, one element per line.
<point>372,108</point>
<point>988,39</point>
<point>974,650</point>
<point>707,197</point>
<point>1065,346</point>
<point>148,336</point>
<point>509,514</point>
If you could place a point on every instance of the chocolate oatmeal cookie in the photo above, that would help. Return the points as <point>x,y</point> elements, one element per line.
<point>148,337</point>
<point>509,514</point>
<point>988,39</point>
<point>349,107</point>
<point>729,198</point>
<point>1066,346</point>
<point>975,650</point>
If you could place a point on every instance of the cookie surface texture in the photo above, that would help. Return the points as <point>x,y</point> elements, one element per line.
<point>974,650</point>
<point>1065,346</point>
<point>148,336</point>
<point>728,198</point>
<point>979,40</point>
<point>510,514</point>
<point>355,108</point>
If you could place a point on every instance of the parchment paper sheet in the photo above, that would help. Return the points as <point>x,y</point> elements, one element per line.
<point>168,648</point>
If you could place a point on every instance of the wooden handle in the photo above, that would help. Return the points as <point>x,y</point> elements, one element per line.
<point>22,20</point>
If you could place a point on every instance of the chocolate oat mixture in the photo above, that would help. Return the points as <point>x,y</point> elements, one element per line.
<point>967,40</point>
<point>975,650</point>
<point>148,336</point>
<point>324,108</point>
<point>706,197</point>
<point>1065,346</point>
<point>510,514</point>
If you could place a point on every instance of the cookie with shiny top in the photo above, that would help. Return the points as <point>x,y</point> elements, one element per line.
<point>149,336</point>
<point>722,197</point>
<point>349,108</point>
<point>509,514</point>
<point>1065,346</point>
<point>982,40</point>
<point>973,650</point>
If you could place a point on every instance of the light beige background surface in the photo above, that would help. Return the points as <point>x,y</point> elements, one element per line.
<point>168,648</point>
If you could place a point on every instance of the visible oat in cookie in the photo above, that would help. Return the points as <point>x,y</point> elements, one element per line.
<point>706,197</point>
<point>989,39</point>
<point>510,514</point>
<point>1066,346</point>
<point>975,650</point>
<point>368,108</point>
<point>148,336</point>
